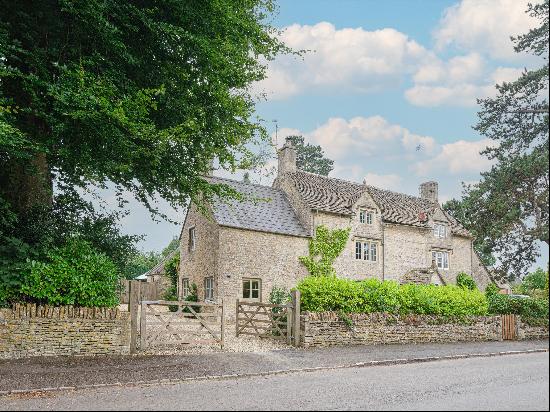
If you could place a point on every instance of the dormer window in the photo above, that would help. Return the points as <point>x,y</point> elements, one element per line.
<point>440,230</point>
<point>366,216</point>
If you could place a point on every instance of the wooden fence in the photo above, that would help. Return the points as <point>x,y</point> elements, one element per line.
<point>268,320</point>
<point>148,290</point>
<point>509,327</point>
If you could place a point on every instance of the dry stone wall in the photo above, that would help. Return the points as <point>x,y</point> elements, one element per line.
<point>328,328</point>
<point>30,330</point>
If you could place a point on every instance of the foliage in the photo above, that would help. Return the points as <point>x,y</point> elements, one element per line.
<point>319,294</point>
<point>279,296</point>
<point>171,269</point>
<point>140,263</point>
<point>75,274</point>
<point>491,289</point>
<point>159,90</point>
<point>465,281</point>
<point>310,158</point>
<point>532,283</point>
<point>507,211</point>
<point>500,304</point>
<point>324,248</point>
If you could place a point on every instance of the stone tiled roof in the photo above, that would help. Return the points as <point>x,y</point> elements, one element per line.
<point>273,213</point>
<point>338,196</point>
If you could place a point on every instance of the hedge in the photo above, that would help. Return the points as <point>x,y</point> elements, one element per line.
<point>319,294</point>
<point>526,307</point>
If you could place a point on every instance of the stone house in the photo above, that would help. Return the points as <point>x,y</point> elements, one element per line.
<point>246,248</point>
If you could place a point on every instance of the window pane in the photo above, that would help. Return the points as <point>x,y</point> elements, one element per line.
<point>362,216</point>
<point>366,251</point>
<point>446,260</point>
<point>246,289</point>
<point>369,218</point>
<point>255,293</point>
<point>440,260</point>
<point>357,250</point>
<point>373,251</point>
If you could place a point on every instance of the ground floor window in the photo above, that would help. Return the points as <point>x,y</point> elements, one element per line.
<point>366,250</point>
<point>209,288</point>
<point>251,289</point>
<point>185,289</point>
<point>441,259</point>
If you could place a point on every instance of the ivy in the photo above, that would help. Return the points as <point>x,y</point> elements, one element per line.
<point>324,248</point>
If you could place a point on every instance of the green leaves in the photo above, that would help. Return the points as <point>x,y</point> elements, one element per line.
<point>73,275</point>
<point>465,281</point>
<point>324,248</point>
<point>311,158</point>
<point>319,294</point>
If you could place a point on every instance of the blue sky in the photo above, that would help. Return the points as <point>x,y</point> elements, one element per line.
<point>388,90</point>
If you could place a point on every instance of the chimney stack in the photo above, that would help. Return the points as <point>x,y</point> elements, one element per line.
<point>287,158</point>
<point>429,191</point>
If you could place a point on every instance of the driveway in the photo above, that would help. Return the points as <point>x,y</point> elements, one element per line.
<point>514,382</point>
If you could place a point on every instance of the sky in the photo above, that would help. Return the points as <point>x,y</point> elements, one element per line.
<point>387,88</point>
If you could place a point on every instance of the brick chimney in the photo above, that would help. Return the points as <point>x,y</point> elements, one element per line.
<point>428,190</point>
<point>287,158</point>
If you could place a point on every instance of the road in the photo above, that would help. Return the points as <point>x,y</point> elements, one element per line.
<point>514,382</point>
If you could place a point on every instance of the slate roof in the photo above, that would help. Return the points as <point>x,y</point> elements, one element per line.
<point>272,214</point>
<point>338,196</point>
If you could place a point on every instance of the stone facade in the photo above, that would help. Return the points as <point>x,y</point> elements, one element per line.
<point>326,329</point>
<point>28,330</point>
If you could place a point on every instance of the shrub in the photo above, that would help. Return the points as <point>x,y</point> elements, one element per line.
<point>526,307</point>
<point>324,248</point>
<point>491,289</point>
<point>533,284</point>
<point>320,294</point>
<point>74,274</point>
<point>465,281</point>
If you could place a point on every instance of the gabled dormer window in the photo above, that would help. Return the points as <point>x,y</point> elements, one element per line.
<point>440,230</point>
<point>366,216</point>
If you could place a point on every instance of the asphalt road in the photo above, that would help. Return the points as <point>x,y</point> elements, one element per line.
<point>515,382</point>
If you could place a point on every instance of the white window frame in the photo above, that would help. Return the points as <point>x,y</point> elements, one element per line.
<point>366,216</point>
<point>250,297</point>
<point>441,258</point>
<point>192,239</point>
<point>440,230</point>
<point>366,250</point>
<point>370,217</point>
<point>362,216</point>
<point>185,287</point>
<point>209,288</point>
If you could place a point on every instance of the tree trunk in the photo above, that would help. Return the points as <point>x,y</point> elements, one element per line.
<point>26,184</point>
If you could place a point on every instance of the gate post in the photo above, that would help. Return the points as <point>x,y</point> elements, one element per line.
<point>237,319</point>
<point>296,313</point>
<point>133,305</point>
<point>222,327</point>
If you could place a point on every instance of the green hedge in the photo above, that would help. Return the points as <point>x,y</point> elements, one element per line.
<point>526,307</point>
<point>321,294</point>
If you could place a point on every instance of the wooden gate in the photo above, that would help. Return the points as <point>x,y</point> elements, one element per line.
<point>508,327</point>
<point>191,323</point>
<point>269,320</point>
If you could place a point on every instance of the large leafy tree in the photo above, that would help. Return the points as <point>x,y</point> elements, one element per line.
<point>311,158</point>
<point>142,94</point>
<point>508,209</point>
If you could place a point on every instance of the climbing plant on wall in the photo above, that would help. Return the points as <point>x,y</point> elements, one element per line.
<point>324,248</point>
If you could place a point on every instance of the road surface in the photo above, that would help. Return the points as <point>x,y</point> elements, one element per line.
<point>514,382</point>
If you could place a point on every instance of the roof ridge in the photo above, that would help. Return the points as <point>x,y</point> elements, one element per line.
<point>241,182</point>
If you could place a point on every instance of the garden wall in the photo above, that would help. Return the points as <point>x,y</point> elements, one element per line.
<point>327,328</point>
<point>30,330</point>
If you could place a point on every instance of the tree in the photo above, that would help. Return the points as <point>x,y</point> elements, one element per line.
<point>143,94</point>
<point>507,210</point>
<point>311,158</point>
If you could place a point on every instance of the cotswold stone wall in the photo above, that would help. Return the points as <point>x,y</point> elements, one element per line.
<point>30,330</point>
<point>526,331</point>
<point>327,328</point>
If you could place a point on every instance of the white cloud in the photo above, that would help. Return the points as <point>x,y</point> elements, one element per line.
<point>455,158</point>
<point>485,26</point>
<point>459,82</point>
<point>390,181</point>
<point>348,59</point>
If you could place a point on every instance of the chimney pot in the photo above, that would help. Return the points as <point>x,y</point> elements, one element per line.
<point>287,158</point>
<point>429,191</point>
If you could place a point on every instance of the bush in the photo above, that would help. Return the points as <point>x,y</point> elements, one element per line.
<point>526,307</point>
<point>75,274</point>
<point>491,289</point>
<point>319,294</point>
<point>465,281</point>
<point>533,284</point>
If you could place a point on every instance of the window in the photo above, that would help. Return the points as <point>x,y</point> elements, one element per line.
<point>365,217</point>
<point>208,288</point>
<point>251,289</point>
<point>366,250</point>
<point>441,259</point>
<point>192,239</point>
<point>185,289</point>
<point>440,230</point>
